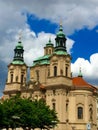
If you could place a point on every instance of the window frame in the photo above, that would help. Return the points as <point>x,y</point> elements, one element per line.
<point>80,112</point>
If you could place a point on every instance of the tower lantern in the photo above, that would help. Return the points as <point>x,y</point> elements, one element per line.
<point>60,40</point>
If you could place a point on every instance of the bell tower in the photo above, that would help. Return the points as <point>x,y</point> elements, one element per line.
<point>60,61</point>
<point>49,48</point>
<point>17,72</point>
<point>60,40</point>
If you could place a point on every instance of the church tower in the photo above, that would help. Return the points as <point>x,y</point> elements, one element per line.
<point>53,71</point>
<point>60,60</point>
<point>49,48</point>
<point>17,72</point>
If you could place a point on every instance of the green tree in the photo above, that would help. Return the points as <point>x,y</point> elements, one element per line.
<point>25,113</point>
<point>47,117</point>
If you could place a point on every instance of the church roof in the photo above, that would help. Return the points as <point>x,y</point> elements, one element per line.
<point>17,62</point>
<point>46,58</point>
<point>42,60</point>
<point>60,52</point>
<point>79,82</point>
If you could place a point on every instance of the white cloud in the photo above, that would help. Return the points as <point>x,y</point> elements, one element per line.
<point>74,14</point>
<point>33,44</point>
<point>89,68</point>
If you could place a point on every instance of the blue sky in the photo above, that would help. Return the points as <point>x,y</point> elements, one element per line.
<point>38,21</point>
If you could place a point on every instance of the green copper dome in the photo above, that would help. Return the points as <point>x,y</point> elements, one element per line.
<point>49,43</point>
<point>19,45</point>
<point>60,33</point>
<point>18,54</point>
<point>60,40</point>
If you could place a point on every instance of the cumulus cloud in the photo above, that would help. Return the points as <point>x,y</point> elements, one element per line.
<point>33,44</point>
<point>89,68</point>
<point>74,14</point>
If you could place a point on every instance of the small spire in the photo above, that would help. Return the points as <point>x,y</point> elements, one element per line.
<point>50,39</point>
<point>61,27</point>
<point>20,36</point>
<point>80,73</point>
<point>61,22</point>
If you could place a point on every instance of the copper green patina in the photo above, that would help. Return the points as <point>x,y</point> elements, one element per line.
<point>46,59</point>
<point>49,44</point>
<point>42,60</point>
<point>19,45</point>
<point>18,62</point>
<point>18,54</point>
<point>60,33</point>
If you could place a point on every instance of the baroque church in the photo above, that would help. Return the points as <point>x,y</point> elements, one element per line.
<point>51,79</point>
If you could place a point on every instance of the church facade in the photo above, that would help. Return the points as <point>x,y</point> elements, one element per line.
<point>51,79</point>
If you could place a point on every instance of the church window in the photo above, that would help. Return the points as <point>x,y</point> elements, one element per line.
<point>91,113</point>
<point>66,107</point>
<point>11,78</point>
<point>22,76</point>
<point>80,112</point>
<point>55,70</point>
<point>48,72</point>
<point>16,78</point>
<point>61,43</point>
<point>53,92</point>
<point>37,75</point>
<point>66,71</point>
<point>49,51</point>
<point>53,105</point>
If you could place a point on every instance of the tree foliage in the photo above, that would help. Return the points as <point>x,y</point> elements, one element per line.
<point>25,113</point>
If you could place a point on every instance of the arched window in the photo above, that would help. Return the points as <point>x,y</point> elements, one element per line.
<point>66,71</point>
<point>55,70</point>
<point>48,72</point>
<point>22,76</point>
<point>91,113</point>
<point>53,105</point>
<point>49,51</point>
<point>66,107</point>
<point>11,78</point>
<point>37,75</point>
<point>46,51</point>
<point>80,112</point>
